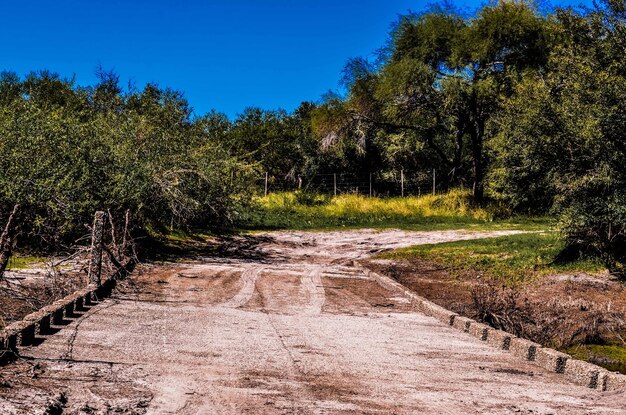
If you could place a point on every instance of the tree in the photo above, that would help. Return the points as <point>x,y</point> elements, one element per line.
<point>68,151</point>
<point>441,82</point>
<point>561,144</point>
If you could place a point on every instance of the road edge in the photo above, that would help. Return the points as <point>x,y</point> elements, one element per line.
<point>23,332</point>
<point>577,371</point>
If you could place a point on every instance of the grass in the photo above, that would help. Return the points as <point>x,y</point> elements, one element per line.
<point>614,354</point>
<point>22,262</point>
<point>453,210</point>
<point>514,258</point>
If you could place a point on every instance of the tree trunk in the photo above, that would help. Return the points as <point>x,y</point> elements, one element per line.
<point>458,151</point>
<point>5,241</point>
<point>477,134</point>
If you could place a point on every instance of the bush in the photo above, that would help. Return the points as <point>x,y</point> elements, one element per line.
<point>561,145</point>
<point>68,151</point>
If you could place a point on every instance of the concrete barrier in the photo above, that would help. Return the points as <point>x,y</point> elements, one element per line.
<point>523,348</point>
<point>68,306</point>
<point>8,345</point>
<point>612,381</point>
<point>462,323</point>
<point>577,371</point>
<point>499,339</point>
<point>57,312</point>
<point>479,330</point>
<point>88,296</point>
<point>551,359</point>
<point>431,309</point>
<point>79,302</point>
<point>24,332</point>
<point>41,319</point>
<point>10,339</point>
<point>583,373</point>
<point>105,289</point>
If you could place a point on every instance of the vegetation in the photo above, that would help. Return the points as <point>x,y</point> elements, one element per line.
<point>456,209</point>
<point>512,283</point>
<point>67,151</point>
<point>560,144</point>
<point>21,262</point>
<point>612,357</point>
<point>512,259</point>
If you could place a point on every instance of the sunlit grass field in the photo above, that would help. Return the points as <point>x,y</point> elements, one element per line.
<point>22,262</point>
<point>453,210</point>
<point>512,258</point>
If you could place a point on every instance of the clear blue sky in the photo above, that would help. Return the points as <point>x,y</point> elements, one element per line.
<point>226,54</point>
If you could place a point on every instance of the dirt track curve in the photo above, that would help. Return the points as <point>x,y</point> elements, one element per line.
<point>284,325</point>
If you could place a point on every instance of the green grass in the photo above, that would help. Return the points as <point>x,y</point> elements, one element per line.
<point>453,210</point>
<point>613,355</point>
<point>514,258</point>
<point>22,262</point>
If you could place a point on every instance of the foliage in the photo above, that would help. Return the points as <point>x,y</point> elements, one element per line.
<point>561,143</point>
<point>529,105</point>
<point>439,85</point>
<point>68,151</point>
<point>313,211</point>
<point>512,259</point>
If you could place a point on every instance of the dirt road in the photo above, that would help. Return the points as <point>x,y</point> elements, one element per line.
<point>282,323</point>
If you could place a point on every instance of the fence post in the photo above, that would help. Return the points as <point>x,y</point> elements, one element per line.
<point>402,182</point>
<point>5,241</point>
<point>335,183</point>
<point>434,182</point>
<point>95,260</point>
<point>266,179</point>
<point>370,184</point>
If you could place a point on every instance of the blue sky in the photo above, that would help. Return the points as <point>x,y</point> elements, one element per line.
<point>226,54</point>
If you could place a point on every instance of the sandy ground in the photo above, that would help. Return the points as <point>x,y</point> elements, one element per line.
<point>282,324</point>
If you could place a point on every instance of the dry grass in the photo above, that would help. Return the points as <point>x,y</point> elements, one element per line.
<point>455,209</point>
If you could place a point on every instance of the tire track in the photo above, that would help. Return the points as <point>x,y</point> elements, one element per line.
<point>312,281</point>
<point>249,278</point>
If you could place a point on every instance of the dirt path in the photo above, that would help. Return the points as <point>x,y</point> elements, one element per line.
<point>295,330</point>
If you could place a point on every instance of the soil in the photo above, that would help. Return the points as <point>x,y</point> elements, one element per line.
<point>284,324</point>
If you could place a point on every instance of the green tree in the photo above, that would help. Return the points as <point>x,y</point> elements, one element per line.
<point>561,143</point>
<point>442,80</point>
<point>68,151</point>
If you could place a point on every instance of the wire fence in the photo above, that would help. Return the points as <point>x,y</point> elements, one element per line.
<point>395,184</point>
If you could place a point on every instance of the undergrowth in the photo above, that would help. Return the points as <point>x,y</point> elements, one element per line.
<point>22,262</point>
<point>511,258</point>
<point>455,209</point>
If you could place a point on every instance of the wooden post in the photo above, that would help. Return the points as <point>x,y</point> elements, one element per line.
<point>402,182</point>
<point>266,179</point>
<point>95,260</point>
<point>434,182</point>
<point>370,184</point>
<point>5,241</point>
<point>335,183</point>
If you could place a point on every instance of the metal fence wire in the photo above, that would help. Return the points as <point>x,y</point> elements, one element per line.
<point>395,184</point>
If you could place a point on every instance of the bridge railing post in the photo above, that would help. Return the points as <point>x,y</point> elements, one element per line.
<point>95,259</point>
